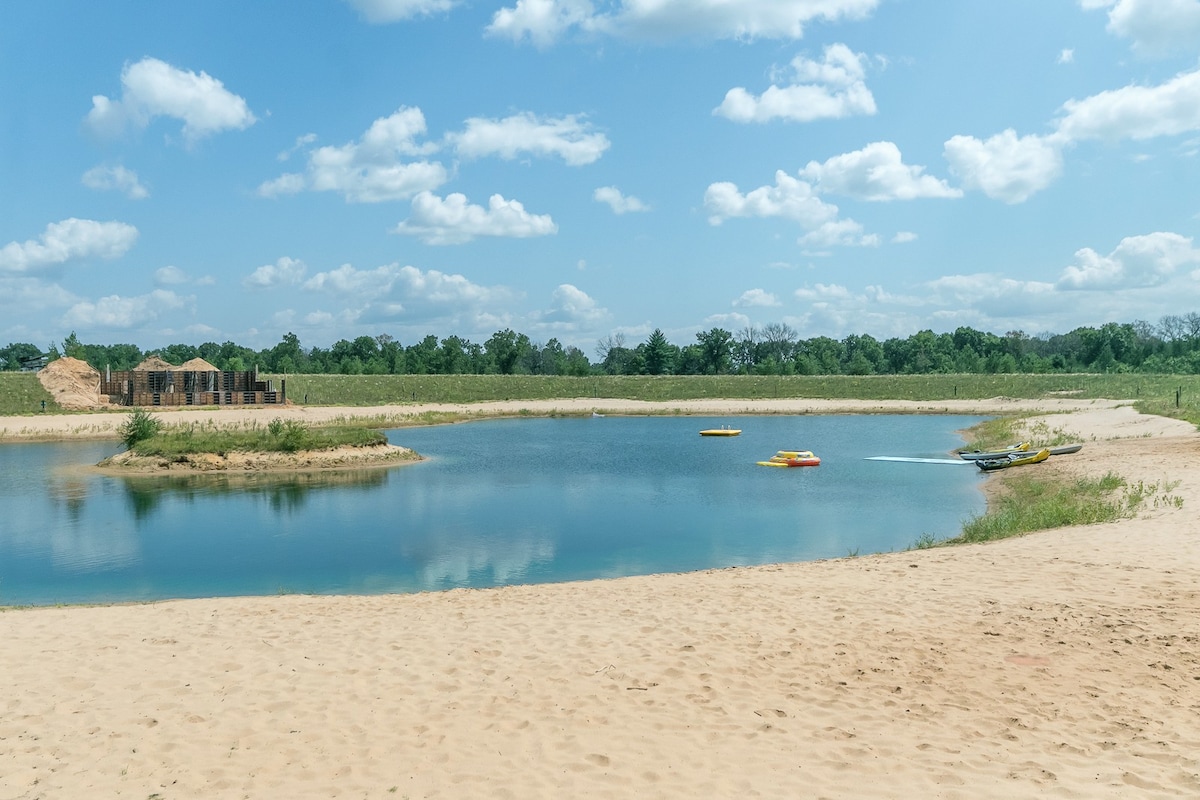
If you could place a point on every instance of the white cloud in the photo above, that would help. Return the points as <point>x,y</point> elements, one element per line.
<point>25,293</point>
<point>1138,261</point>
<point>568,138</point>
<point>877,172</point>
<point>348,280</point>
<point>372,169</point>
<point>1005,167</point>
<point>1011,168</point>
<point>829,89</point>
<point>756,298</point>
<point>153,88</point>
<point>903,237</point>
<point>572,309</point>
<point>839,232</point>
<point>452,220</point>
<point>394,287</point>
<point>170,276</point>
<point>284,272</point>
<point>119,312</point>
<point>115,179</point>
<point>1066,56</point>
<point>383,11</point>
<point>732,321</point>
<point>288,183</point>
<point>69,240</point>
<point>300,143</point>
<point>1155,26</point>
<point>1135,112</point>
<point>789,198</point>
<point>544,21</point>
<point>619,203</point>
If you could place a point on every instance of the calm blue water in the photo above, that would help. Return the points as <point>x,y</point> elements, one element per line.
<point>498,502</point>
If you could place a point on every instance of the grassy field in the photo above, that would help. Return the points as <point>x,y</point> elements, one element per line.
<point>21,393</point>
<point>360,390</point>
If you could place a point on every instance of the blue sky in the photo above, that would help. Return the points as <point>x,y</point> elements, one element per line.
<point>575,169</point>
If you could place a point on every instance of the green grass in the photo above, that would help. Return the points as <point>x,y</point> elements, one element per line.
<point>21,393</point>
<point>1034,503</point>
<point>278,436</point>
<point>364,390</point>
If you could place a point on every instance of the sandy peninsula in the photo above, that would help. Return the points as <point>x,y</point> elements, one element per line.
<point>1060,664</point>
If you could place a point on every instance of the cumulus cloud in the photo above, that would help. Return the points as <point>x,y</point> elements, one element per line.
<point>1154,26</point>
<point>1138,261</point>
<point>832,88</point>
<point>170,276</point>
<point>120,313</point>
<point>284,272</point>
<point>756,298</point>
<point>350,281</point>
<point>542,22</point>
<point>404,294</point>
<point>1005,167</point>
<point>66,241</point>
<point>380,12</point>
<point>790,198</point>
<point>571,309</point>
<point>374,168</point>
<point>453,220</point>
<point>1012,168</point>
<point>619,203</point>
<point>877,172</point>
<point>839,232</point>
<point>1135,112</point>
<point>152,88</point>
<point>118,178</point>
<point>570,138</point>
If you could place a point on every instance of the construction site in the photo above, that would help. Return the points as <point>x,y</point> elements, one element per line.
<point>156,382</point>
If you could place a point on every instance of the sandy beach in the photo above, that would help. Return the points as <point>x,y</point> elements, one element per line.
<point>1060,664</point>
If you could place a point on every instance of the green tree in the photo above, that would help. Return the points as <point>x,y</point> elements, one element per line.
<point>657,353</point>
<point>715,346</point>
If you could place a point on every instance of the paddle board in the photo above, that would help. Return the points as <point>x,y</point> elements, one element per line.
<point>918,460</point>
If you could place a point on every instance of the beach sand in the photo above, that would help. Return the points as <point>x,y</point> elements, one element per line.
<point>1061,664</point>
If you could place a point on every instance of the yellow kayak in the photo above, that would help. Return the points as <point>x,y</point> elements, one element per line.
<point>792,458</point>
<point>721,432</point>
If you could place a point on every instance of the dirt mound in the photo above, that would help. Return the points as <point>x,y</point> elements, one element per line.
<point>196,365</point>
<point>155,363</point>
<point>73,384</point>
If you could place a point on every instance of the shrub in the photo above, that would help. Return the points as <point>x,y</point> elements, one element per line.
<point>137,427</point>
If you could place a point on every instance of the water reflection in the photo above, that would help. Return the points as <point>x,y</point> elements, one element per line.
<point>282,491</point>
<point>499,502</point>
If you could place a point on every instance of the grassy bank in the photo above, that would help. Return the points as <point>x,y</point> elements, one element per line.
<point>363,390</point>
<point>21,393</point>
<point>278,436</point>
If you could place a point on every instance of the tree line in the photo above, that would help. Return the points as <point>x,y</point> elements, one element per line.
<point>1170,347</point>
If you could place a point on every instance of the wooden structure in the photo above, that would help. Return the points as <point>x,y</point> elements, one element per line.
<point>155,382</point>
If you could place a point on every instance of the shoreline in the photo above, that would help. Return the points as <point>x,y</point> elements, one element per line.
<point>103,424</point>
<point>248,462</point>
<point>1061,663</point>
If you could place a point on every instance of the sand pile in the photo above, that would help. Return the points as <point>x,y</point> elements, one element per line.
<point>154,363</point>
<point>74,384</point>
<point>196,365</point>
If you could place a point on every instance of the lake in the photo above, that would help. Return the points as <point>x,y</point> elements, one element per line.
<point>496,502</point>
